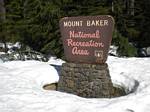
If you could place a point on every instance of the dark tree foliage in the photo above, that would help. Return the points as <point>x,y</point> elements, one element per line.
<point>142,19</point>
<point>36,22</point>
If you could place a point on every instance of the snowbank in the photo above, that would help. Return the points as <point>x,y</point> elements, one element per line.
<point>21,88</point>
<point>40,72</point>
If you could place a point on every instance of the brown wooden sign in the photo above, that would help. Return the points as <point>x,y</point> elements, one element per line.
<point>87,39</point>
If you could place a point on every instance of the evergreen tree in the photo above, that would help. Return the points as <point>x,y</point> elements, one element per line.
<point>142,22</point>
<point>36,22</point>
<point>3,31</point>
<point>37,27</point>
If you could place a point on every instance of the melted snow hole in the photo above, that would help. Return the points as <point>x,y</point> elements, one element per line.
<point>125,83</point>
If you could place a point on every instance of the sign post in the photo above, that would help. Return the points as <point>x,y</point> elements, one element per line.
<point>86,42</point>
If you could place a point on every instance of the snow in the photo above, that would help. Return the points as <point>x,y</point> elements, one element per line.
<point>40,72</point>
<point>55,61</point>
<point>21,88</point>
<point>113,50</point>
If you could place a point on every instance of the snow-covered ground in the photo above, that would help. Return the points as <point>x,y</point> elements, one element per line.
<point>21,88</point>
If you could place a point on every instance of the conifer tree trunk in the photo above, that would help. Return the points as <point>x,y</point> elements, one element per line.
<point>2,11</point>
<point>112,6</point>
<point>2,19</point>
<point>132,7</point>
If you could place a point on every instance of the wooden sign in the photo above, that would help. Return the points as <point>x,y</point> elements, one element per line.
<point>87,39</point>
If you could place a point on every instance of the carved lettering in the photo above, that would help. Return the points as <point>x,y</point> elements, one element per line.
<point>73,34</point>
<point>97,23</point>
<point>72,23</point>
<point>90,43</point>
<point>76,51</point>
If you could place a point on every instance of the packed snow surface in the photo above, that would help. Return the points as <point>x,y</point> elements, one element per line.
<point>21,88</point>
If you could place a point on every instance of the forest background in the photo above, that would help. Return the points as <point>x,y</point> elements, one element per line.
<point>35,23</point>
